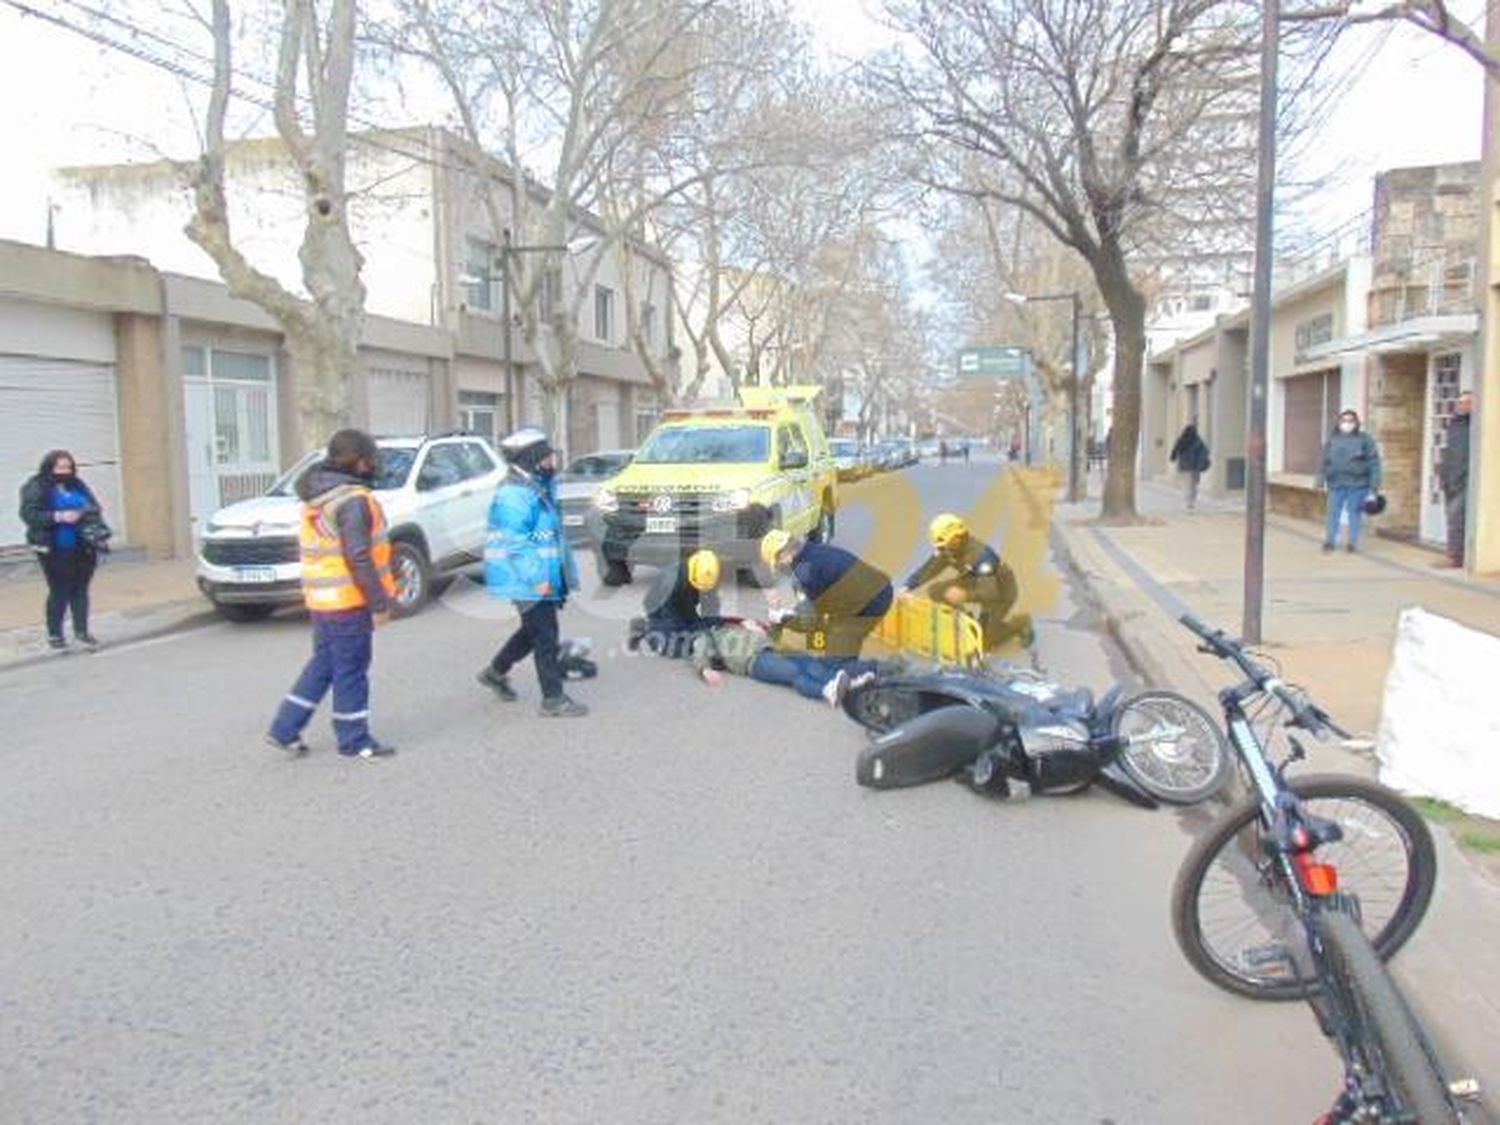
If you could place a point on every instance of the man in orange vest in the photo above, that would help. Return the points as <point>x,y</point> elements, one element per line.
<point>349,590</point>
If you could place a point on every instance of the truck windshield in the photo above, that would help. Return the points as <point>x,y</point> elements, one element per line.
<point>391,469</point>
<point>711,445</point>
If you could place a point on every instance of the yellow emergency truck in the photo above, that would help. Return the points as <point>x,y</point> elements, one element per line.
<point>719,477</point>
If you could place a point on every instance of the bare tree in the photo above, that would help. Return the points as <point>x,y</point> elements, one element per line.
<point>322,337</point>
<point>1433,16</point>
<point>1106,121</point>
<point>566,87</point>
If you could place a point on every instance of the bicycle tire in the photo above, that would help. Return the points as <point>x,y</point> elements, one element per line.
<point>1230,853</point>
<point>1382,1025</point>
<point>1181,771</point>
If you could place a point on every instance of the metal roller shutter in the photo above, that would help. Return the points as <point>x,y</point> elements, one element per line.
<point>58,404</point>
<point>398,402</point>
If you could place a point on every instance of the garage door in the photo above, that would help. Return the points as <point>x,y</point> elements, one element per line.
<point>398,402</point>
<point>57,404</point>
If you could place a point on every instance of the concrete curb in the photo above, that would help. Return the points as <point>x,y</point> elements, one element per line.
<point>23,648</point>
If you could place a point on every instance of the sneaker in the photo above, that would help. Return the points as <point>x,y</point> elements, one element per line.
<point>1327,548</point>
<point>374,750</point>
<point>861,680</point>
<point>293,746</point>
<point>562,707</point>
<point>88,641</point>
<point>498,683</point>
<point>57,644</point>
<point>835,689</point>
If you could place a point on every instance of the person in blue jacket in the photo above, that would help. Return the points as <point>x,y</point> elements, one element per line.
<point>526,560</point>
<point>65,528</point>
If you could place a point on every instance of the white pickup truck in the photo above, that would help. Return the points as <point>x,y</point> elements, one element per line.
<point>436,492</point>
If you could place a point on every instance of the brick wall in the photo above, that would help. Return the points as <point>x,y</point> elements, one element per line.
<point>1398,396</point>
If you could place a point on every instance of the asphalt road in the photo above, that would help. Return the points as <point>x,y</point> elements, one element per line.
<point>679,910</point>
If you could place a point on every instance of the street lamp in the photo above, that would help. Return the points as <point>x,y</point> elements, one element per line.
<point>509,249</point>
<point>1076,300</point>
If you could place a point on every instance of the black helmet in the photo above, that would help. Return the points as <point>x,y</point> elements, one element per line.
<point>1374,504</point>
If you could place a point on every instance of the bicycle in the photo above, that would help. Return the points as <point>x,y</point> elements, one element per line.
<point>1304,888</point>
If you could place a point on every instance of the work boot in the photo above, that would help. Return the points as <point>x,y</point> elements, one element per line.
<point>497,683</point>
<point>370,752</point>
<point>293,746</point>
<point>562,707</point>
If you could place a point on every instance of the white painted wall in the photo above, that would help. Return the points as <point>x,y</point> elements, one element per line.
<point>141,210</point>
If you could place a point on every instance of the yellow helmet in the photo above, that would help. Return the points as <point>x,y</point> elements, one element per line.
<point>703,570</point>
<point>771,546</point>
<point>948,531</point>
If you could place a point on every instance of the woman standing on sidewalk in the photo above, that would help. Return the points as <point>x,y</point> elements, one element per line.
<point>1350,470</point>
<point>65,527</point>
<point>1191,454</point>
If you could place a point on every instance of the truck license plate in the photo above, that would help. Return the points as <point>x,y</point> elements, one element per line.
<point>255,574</point>
<point>661,525</point>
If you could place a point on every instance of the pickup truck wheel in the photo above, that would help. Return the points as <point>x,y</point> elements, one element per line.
<point>615,573</point>
<point>243,611</point>
<point>413,575</point>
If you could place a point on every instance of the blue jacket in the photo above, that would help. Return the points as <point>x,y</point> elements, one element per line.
<point>1350,461</point>
<point>526,557</point>
<point>840,583</point>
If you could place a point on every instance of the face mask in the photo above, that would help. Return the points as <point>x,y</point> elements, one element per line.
<point>1347,427</point>
<point>545,472</point>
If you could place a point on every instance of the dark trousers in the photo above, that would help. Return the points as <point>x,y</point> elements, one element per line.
<point>68,576</point>
<point>537,638</point>
<point>342,648</point>
<point>807,674</point>
<point>1454,510</point>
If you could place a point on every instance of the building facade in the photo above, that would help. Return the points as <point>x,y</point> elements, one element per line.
<point>432,258</point>
<point>1391,332</point>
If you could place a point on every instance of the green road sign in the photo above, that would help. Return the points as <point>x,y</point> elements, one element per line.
<point>994,363</point>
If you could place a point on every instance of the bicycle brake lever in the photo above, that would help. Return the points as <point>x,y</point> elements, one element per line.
<point>1298,754</point>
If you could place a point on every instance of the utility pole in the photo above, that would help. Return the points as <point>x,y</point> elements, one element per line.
<point>1260,330</point>
<point>505,326</point>
<point>1074,493</point>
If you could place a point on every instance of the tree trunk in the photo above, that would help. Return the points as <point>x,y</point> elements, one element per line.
<point>321,359</point>
<point>1127,313</point>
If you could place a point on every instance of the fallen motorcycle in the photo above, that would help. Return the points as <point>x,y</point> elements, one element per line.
<point>994,730</point>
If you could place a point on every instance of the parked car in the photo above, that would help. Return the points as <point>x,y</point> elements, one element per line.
<point>713,477</point>
<point>436,492</point>
<point>849,458</point>
<point>578,483</point>
<point>930,450</point>
<point>891,455</point>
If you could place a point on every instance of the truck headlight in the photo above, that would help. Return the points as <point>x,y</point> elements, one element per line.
<point>734,501</point>
<point>606,500</point>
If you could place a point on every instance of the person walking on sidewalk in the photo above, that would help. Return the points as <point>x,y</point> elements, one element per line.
<point>527,561</point>
<point>349,590</point>
<point>1454,475</point>
<point>1350,470</point>
<point>1191,454</point>
<point>65,527</point>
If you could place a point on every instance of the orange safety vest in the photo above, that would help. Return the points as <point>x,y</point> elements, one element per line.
<point>328,584</point>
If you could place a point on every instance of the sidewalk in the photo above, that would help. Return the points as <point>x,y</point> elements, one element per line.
<point>131,600</point>
<point>1330,622</point>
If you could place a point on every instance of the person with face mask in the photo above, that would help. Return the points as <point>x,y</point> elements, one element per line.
<point>349,590</point>
<point>1350,470</point>
<point>527,561</point>
<point>62,518</point>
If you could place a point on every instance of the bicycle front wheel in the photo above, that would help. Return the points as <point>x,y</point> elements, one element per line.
<point>1232,911</point>
<point>1381,1035</point>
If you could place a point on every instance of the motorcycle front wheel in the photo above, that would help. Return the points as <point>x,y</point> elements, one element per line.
<point>1175,751</point>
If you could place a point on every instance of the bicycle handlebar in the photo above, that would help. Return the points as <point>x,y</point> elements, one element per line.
<point>1305,713</point>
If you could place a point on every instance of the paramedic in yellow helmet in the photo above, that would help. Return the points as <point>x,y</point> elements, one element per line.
<point>980,582</point>
<point>683,600</point>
